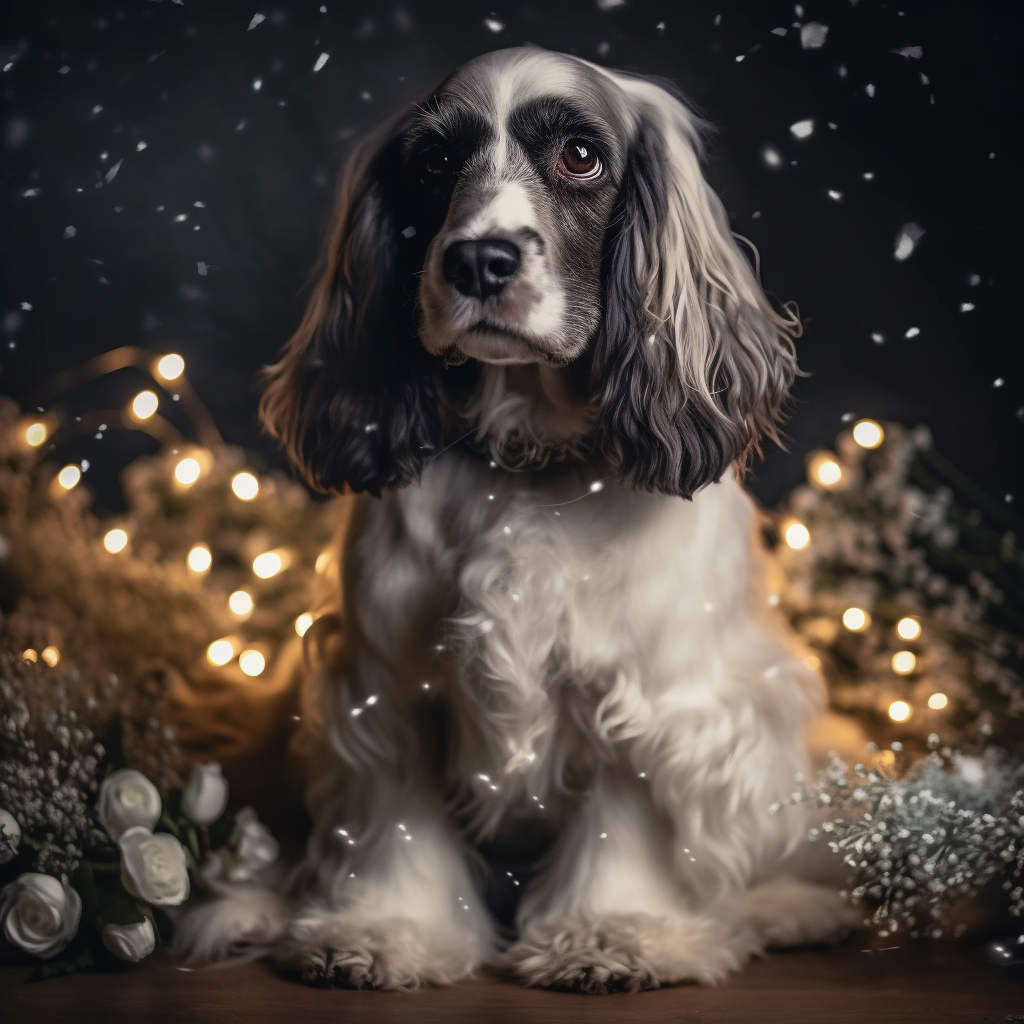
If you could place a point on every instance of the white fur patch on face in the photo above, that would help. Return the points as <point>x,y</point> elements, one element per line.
<point>509,211</point>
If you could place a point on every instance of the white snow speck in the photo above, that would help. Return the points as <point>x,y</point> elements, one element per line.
<point>112,173</point>
<point>868,175</point>
<point>256,20</point>
<point>801,129</point>
<point>771,157</point>
<point>998,382</point>
<point>200,204</point>
<point>30,193</point>
<point>906,240</point>
<point>812,35</point>
<point>27,306</point>
<point>240,126</point>
<point>660,29</point>
<point>608,5</point>
<point>966,307</point>
<point>717,21</point>
<point>493,25</point>
<point>408,232</point>
<point>912,332</point>
<point>70,231</point>
<point>740,57</point>
<point>321,61</point>
<point>914,52</point>
<point>835,194</point>
<point>779,31</point>
<point>323,9</point>
<point>841,71</point>
<point>925,80</point>
<point>62,70</point>
<point>202,268</point>
<point>869,89</point>
<point>257,84</point>
<point>877,338</point>
<point>974,280</point>
<point>798,10</point>
<point>180,217</point>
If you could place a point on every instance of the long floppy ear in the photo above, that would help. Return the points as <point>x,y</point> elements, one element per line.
<point>353,396</point>
<point>693,364</point>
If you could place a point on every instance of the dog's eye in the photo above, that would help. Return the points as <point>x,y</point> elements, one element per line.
<point>579,159</point>
<point>437,163</point>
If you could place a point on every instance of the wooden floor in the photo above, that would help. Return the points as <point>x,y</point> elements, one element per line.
<point>940,984</point>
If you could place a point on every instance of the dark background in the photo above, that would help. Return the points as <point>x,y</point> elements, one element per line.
<point>180,77</point>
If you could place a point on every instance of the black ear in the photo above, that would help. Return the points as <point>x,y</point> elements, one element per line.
<point>693,366</point>
<point>353,397</point>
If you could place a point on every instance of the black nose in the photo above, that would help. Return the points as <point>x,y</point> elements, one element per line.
<point>480,267</point>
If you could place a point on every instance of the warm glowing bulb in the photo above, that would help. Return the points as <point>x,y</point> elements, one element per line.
<point>50,655</point>
<point>251,662</point>
<point>36,434</point>
<point>268,564</point>
<point>29,655</point>
<point>868,434</point>
<point>904,662</point>
<point>245,485</point>
<point>69,476</point>
<point>825,470</point>
<point>144,404</point>
<point>856,620</point>
<point>937,701</point>
<point>899,710</point>
<point>797,536</point>
<point>115,540</point>
<point>170,366</point>
<point>241,603</point>
<point>322,561</point>
<point>812,661</point>
<point>908,628</point>
<point>200,559</point>
<point>302,623</point>
<point>220,652</point>
<point>187,471</point>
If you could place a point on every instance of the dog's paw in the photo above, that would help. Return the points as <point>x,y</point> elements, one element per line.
<point>785,912</point>
<point>334,951</point>
<point>625,952</point>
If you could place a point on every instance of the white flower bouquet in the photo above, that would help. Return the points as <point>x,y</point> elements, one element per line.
<point>148,855</point>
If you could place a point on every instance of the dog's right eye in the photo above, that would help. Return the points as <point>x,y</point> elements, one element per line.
<point>437,163</point>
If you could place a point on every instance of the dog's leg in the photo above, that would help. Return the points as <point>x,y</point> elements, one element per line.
<point>396,906</point>
<point>607,913</point>
<point>788,912</point>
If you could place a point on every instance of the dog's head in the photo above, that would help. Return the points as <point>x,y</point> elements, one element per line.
<point>535,211</point>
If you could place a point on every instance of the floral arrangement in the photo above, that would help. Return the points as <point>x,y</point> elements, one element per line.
<point>142,856</point>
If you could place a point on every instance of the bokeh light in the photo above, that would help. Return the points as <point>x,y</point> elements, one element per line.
<point>220,652</point>
<point>856,620</point>
<point>904,662</point>
<point>797,536</point>
<point>35,434</point>
<point>245,485</point>
<point>270,563</point>
<point>69,476</point>
<point>302,623</point>
<point>170,366</point>
<point>908,628</point>
<point>937,701</point>
<point>241,603</point>
<point>145,404</point>
<point>868,433</point>
<point>187,471</point>
<point>252,662</point>
<point>899,710</point>
<point>200,559</point>
<point>115,540</point>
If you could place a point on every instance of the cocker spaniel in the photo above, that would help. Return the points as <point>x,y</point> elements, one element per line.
<point>539,353</point>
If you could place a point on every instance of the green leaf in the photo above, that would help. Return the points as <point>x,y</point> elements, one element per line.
<point>61,966</point>
<point>122,910</point>
<point>163,926</point>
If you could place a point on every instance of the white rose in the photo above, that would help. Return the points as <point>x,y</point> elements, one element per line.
<point>10,830</point>
<point>153,867</point>
<point>132,942</point>
<point>127,798</point>
<point>39,914</point>
<point>206,794</point>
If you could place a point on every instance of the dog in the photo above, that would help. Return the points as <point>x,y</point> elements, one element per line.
<point>539,355</point>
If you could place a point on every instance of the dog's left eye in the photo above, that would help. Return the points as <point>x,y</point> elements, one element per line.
<point>579,160</point>
<point>437,163</point>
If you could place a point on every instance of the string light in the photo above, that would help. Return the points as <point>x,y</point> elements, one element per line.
<point>251,662</point>
<point>322,561</point>
<point>241,604</point>
<point>904,662</point>
<point>868,433</point>
<point>825,470</point>
<point>29,655</point>
<point>220,652</point>
<point>302,623</point>
<point>908,628</point>
<point>200,559</point>
<point>937,701</point>
<point>170,366</point>
<point>115,540</point>
<point>187,471</point>
<point>856,620</point>
<point>144,405</point>
<point>270,563</point>
<point>797,535</point>
<point>50,655</point>
<point>69,477</point>
<point>900,710</point>
<point>245,485</point>
<point>35,434</point>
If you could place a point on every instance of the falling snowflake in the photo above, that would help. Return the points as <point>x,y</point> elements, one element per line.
<point>966,307</point>
<point>801,129</point>
<point>812,35</point>
<point>70,231</point>
<point>771,157</point>
<point>779,31</point>
<point>493,25</point>
<point>906,240</point>
<point>869,89</point>
<point>912,332</point>
<point>256,20</point>
<point>914,52</point>
<point>112,173</point>
<point>608,5</point>
<point>321,61</point>
<point>835,194</point>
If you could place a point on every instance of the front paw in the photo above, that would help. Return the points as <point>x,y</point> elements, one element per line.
<point>624,952</point>
<point>784,912</point>
<point>335,951</point>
